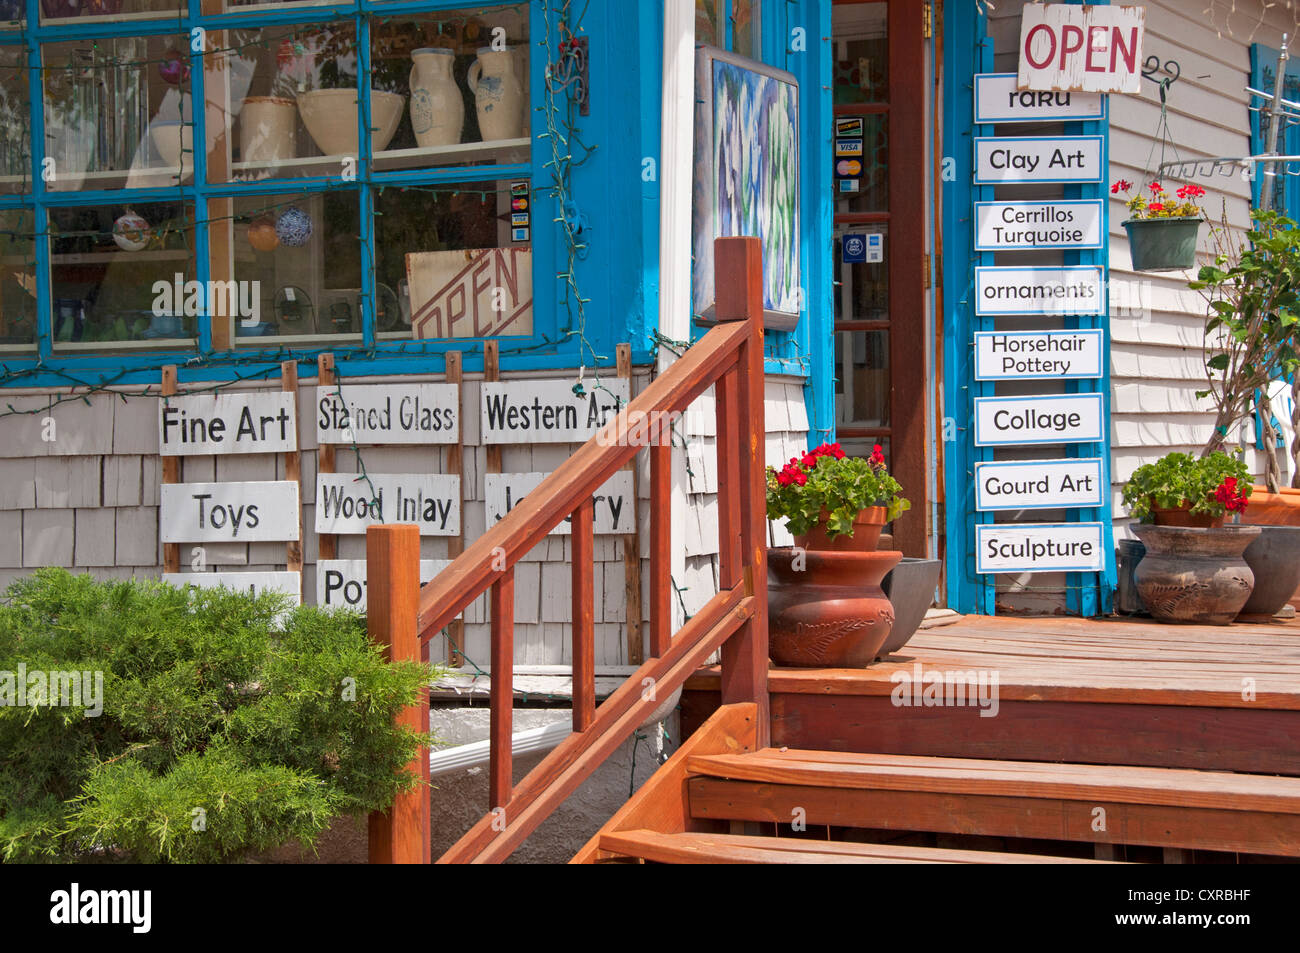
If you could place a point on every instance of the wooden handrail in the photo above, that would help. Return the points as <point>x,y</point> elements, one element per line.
<point>734,621</point>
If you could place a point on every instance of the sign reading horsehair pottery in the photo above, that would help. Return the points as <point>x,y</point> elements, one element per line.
<point>388,413</point>
<point>1043,418</point>
<point>530,411</point>
<point>1026,355</point>
<point>253,583</point>
<point>1000,160</point>
<point>997,99</point>
<point>346,504</point>
<point>233,422</point>
<point>1039,547</point>
<point>341,583</point>
<point>253,512</point>
<point>1040,289</point>
<point>615,506</point>
<point>1038,484</point>
<point>1061,223</point>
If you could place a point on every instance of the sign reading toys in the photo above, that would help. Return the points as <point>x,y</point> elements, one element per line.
<point>548,411</point>
<point>256,422</point>
<point>253,512</point>
<point>1081,47</point>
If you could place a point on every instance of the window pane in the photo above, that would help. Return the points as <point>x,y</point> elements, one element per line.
<point>15,122</point>
<point>13,13</point>
<point>87,12</point>
<point>863,290</point>
<point>861,52</point>
<point>744,28</point>
<point>862,166</point>
<point>115,273</point>
<point>17,280</point>
<point>862,379</point>
<point>862,446</point>
<point>708,22</point>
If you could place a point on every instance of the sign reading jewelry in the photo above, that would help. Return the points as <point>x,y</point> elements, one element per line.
<point>615,506</point>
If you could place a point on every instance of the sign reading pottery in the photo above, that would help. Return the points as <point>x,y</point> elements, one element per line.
<point>615,505</point>
<point>1047,289</point>
<point>1081,47</point>
<point>1038,484</point>
<point>548,411</point>
<point>252,422</point>
<point>998,99</point>
<point>1051,418</point>
<point>1023,355</point>
<point>341,583</point>
<point>1006,226</point>
<point>1045,159</point>
<point>1039,547</point>
<point>253,512</point>
<point>471,293</point>
<point>388,413</point>
<point>253,583</point>
<point>346,504</point>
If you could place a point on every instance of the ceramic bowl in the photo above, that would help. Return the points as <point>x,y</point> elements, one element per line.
<point>174,141</point>
<point>330,116</point>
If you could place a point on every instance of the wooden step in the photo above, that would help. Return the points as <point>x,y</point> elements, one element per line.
<point>697,848</point>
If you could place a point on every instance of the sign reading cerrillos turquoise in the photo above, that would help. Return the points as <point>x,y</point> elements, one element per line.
<point>388,414</point>
<point>1010,226</point>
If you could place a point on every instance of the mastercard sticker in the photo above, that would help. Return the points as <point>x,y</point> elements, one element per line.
<point>848,167</point>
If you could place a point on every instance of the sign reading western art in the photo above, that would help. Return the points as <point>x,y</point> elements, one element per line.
<point>1039,547</point>
<point>341,583</point>
<point>389,413</point>
<point>548,411</point>
<point>1017,355</point>
<point>997,99</point>
<point>252,422</point>
<point>1043,418</point>
<point>1004,226</point>
<point>1091,48</point>
<point>615,505</point>
<point>1046,289</point>
<point>347,505</point>
<point>1038,484</point>
<point>253,512</point>
<point>1005,159</point>
<point>253,583</point>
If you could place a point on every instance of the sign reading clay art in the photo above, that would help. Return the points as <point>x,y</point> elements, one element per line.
<point>1044,418</point>
<point>1023,355</point>
<point>471,293</point>
<point>347,505</point>
<point>1006,226</point>
<point>1081,47</point>
<point>341,583</point>
<point>253,512</point>
<point>997,99</point>
<point>548,411</point>
<point>1038,484</point>
<point>615,506</point>
<point>1006,159</point>
<point>1047,289</point>
<point>388,413</point>
<point>1039,547</point>
<point>253,422</point>
<point>253,583</point>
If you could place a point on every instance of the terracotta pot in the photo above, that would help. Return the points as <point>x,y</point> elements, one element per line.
<point>866,533</point>
<point>1181,515</point>
<point>1274,509</point>
<point>826,609</point>
<point>1274,558</point>
<point>1195,575</point>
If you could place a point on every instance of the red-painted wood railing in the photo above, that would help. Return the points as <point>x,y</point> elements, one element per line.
<point>729,358</point>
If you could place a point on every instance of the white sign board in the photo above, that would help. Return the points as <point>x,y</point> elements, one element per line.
<point>548,411</point>
<point>1039,547</point>
<point>1008,226</point>
<point>997,99</point>
<point>615,505</point>
<point>1046,289</point>
<point>252,422</point>
<point>254,512</point>
<point>1044,418</point>
<point>1081,47</point>
<point>1038,484</point>
<point>254,583</point>
<point>388,413</point>
<point>1006,159</point>
<point>341,583</point>
<point>1024,355</point>
<point>347,505</point>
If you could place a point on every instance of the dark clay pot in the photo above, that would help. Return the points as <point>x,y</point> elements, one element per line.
<point>910,589</point>
<point>1195,575</point>
<point>831,612</point>
<point>1274,558</point>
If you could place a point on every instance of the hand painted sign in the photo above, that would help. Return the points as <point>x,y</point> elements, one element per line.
<point>1005,159</point>
<point>997,99</point>
<point>1024,355</point>
<point>475,292</point>
<point>253,512</point>
<point>388,414</point>
<point>1006,226</point>
<point>1038,484</point>
<point>341,583</point>
<point>615,506</point>
<point>347,505</point>
<point>1049,289</point>
<point>1039,547</point>
<point>253,583</point>
<point>1044,418</point>
<point>547,411</point>
<point>1081,47</point>
<point>251,422</point>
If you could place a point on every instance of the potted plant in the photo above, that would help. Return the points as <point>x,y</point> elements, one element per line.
<point>1182,490</point>
<point>826,607</point>
<point>1162,230</point>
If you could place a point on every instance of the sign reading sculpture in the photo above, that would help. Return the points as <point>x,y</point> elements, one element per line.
<point>1039,547</point>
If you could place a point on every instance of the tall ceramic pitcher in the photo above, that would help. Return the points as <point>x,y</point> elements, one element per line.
<point>498,94</point>
<point>437,109</point>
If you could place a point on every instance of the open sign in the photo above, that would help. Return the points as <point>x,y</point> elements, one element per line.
<point>1085,48</point>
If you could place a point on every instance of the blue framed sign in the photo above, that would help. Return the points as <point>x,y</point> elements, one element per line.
<point>1042,418</point>
<point>1001,160</point>
<point>1060,223</point>
<point>1040,289</point>
<point>1032,355</point>
<point>1038,484</point>
<point>997,99</point>
<point>1039,547</point>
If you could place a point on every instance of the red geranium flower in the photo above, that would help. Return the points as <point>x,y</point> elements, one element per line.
<point>1155,188</point>
<point>1156,207</point>
<point>878,455</point>
<point>1123,185</point>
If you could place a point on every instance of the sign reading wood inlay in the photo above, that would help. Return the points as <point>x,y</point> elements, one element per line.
<point>346,504</point>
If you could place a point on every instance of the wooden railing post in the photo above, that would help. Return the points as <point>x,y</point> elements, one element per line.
<point>584,614</point>
<point>502,694</point>
<point>402,834</point>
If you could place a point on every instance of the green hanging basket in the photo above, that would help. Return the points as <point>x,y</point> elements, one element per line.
<point>1162,244</point>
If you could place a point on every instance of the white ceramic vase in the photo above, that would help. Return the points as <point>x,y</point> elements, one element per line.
<point>268,129</point>
<point>498,94</point>
<point>437,108</point>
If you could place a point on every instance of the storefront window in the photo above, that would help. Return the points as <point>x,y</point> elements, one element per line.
<point>15,122</point>
<point>862,379</point>
<point>862,167</point>
<point>17,280</point>
<point>861,52</point>
<point>711,22</point>
<point>87,12</point>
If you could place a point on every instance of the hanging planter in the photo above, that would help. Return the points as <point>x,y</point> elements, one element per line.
<point>1162,232</point>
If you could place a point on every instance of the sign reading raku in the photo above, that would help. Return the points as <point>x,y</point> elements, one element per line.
<point>548,411</point>
<point>254,422</point>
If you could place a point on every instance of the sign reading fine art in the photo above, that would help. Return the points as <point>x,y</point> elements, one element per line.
<point>548,411</point>
<point>254,512</point>
<point>1038,484</point>
<point>253,422</point>
<point>997,99</point>
<point>388,413</point>
<point>341,583</point>
<point>346,505</point>
<point>1007,226</point>
<point>1045,418</point>
<point>1081,47</point>
<point>1049,289</point>
<point>1024,355</point>
<point>615,507</point>
<point>1039,547</point>
<point>1006,159</point>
